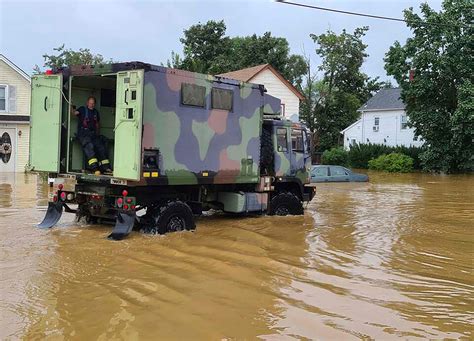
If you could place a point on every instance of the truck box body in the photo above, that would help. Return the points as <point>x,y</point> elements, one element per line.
<point>201,144</point>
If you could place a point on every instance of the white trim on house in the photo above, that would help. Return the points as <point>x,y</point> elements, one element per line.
<point>352,125</point>
<point>14,67</point>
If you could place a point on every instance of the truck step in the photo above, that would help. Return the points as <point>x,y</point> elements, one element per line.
<point>123,226</point>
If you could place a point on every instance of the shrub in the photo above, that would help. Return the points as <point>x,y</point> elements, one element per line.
<point>360,154</point>
<point>393,162</point>
<point>335,156</point>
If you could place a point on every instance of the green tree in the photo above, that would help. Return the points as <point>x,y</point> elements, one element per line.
<point>204,46</point>
<point>207,49</point>
<point>434,68</point>
<point>63,57</point>
<point>343,88</point>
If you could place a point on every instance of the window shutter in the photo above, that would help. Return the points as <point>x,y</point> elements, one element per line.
<point>12,99</point>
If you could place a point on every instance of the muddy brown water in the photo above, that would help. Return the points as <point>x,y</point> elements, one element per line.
<point>388,259</point>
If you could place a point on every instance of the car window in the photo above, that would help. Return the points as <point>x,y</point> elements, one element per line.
<point>320,171</point>
<point>337,171</point>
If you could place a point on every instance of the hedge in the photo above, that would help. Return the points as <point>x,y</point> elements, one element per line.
<point>335,156</point>
<point>360,154</point>
<point>393,162</point>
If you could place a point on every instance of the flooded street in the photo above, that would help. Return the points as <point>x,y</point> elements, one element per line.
<point>392,258</point>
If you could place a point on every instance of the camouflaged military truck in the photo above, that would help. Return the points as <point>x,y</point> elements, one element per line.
<point>180,143</point>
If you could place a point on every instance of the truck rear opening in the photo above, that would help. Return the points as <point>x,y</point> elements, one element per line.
<point>55,146</point>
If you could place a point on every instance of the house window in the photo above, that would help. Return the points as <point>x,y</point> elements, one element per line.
<point>193,95</point>
<point>3,98</point>
<point>297,142</point>
<point>222,99</point>
<point>353,142</point>
<point>282,140</point>
<point>403,121</point>
<point>282,108</point>
<point>376,124</point>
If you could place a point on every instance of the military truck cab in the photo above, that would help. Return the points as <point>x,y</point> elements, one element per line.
<point>179,143</point>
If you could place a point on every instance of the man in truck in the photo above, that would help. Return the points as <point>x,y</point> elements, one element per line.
<point>88,133</point>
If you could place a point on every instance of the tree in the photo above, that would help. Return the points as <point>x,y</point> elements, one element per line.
<point>204,46</point>
<point>207,49</point>
<point>434,68</point>
<point>64,57</point>
<point>331,103</point>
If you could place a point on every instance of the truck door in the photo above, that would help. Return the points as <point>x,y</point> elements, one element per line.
<point>45,122</point>
<point>128,125</point>
<point>297,151</point>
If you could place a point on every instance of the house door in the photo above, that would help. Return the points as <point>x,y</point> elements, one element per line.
<point>7,149</point>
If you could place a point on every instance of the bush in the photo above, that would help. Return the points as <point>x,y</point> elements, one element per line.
<point>393,162</point>
<point>360,154</point>
<point>335,156</point>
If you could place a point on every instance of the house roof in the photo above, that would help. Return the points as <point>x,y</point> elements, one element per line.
<point>385,99</point>
<point>352,125</point>
<point>246,75</point>
<point>14,67</point>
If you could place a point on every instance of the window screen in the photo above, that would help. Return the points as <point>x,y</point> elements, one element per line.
<point>222,99</point>
<point>282,140</point>
<point>297,143</point>
<point>194,95</point>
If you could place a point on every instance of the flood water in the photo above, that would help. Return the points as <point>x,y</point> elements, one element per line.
<point>388,259</point>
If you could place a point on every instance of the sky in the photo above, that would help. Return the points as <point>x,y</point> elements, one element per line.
<point>148,30</point>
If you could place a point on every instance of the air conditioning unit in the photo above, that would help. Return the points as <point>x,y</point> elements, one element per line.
<point>375,128</point>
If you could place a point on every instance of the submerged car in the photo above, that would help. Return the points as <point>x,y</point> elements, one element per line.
<point>323,173</point>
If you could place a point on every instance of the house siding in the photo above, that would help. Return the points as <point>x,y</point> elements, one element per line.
<point>275,87</point>
<point>21,138</point>
<point>390,132</point>
<point>9,76</point>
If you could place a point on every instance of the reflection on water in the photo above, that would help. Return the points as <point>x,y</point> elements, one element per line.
<point>392,258</point>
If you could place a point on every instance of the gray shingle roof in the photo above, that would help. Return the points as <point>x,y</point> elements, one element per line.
<point>385,99</point>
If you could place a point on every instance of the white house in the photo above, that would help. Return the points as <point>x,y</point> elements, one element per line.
<point>15,95</point>
<point>383,121</point>
<point>275,84</point>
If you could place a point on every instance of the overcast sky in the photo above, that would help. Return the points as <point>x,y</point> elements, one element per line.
<point>149,30</point>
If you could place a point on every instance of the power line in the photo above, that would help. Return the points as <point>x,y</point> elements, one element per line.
<point>364,14</point>
<point>341,11</point>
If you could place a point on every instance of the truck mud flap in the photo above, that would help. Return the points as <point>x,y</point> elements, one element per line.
<point>53,214</point>
<point>123,226</point>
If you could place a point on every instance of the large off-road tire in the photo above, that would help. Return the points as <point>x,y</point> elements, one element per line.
<point>266,152</point>
<point>171,217</point>
<point>285,203</point>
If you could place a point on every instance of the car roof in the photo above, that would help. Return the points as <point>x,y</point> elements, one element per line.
<point>316,166</point>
